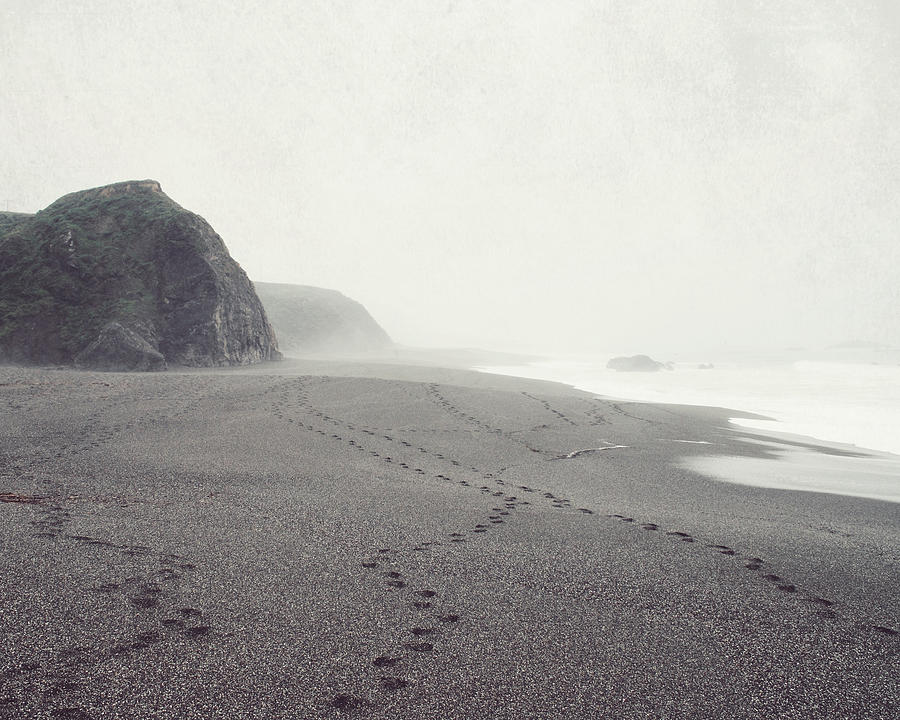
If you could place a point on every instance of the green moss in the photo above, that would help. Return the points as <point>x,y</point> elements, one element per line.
<point>81,262</point>
<point>9,220</point>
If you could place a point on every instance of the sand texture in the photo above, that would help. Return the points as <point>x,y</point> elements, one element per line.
<point>291,541</point>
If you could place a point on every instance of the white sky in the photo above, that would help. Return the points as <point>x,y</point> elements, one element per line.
<point>557,176</point>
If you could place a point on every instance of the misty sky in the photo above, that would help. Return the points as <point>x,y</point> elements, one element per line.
<point>557,176</point>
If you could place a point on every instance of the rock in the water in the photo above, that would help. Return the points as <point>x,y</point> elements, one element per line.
<point>118,348</point>
<point>635,363</point>
<point>126,254</point>
<point>315,320</point>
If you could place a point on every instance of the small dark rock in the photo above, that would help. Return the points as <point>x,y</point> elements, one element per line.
<point>636,363</point>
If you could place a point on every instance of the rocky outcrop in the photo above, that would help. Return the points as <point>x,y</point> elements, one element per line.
<point>102,275</point>
<point>118,348</point>
<point>636,363</point>
<point>315,320</point>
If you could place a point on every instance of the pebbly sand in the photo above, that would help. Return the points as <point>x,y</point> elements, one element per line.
<point>330,540</point>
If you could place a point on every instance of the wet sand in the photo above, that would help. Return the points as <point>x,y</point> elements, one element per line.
<point>314,539</point>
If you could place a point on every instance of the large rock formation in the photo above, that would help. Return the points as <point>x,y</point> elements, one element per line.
<point>118,348</point>
<point>121,276</point>
<point>316,320</point>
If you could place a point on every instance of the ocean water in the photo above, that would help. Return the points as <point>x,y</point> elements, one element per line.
<point>850,403</point>
<point>855,404</point>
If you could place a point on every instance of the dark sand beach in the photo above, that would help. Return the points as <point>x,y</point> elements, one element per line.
<point>329,540</point>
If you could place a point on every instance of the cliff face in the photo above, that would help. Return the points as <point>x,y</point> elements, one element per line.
<point>123,267</point>
<point>315,320</point>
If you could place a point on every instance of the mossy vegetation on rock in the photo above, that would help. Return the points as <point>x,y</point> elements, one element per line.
<point>125,253</point>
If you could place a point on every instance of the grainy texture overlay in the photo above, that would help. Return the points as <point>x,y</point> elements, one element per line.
<point>278,542</point>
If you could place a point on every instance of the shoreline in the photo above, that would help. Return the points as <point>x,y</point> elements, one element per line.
<point>806,463</point>
<point>836,402</point>
<point>298,540</point>
<point>800,456</point>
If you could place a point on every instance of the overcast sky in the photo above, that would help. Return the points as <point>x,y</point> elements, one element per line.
<point>563,176</point>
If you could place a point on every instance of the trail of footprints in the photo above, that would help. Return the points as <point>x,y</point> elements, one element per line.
<point>823,608</point>
<point>281,409</point>
<point>416,642</point>
<point>550,409</point>
<point>435,395</point>
<point>153,593</point>
<point>150,590</point>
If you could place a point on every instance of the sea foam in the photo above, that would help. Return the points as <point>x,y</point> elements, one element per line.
<point>849,403</point>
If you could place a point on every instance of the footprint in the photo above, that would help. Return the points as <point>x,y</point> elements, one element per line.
<point>144,602</point>
<point>426,593</point>
<point>650,526</point>
<point>346,702</point>
<point>384,661</point>
<point>70,713</point>
<point>821,601</point>
<point>885,630</point>
<point>449,618</point>
<point>369,564</point>
<point>419,631</point>
<point>196,632</point>
<point>393,683</point>
<point>419,647</point>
